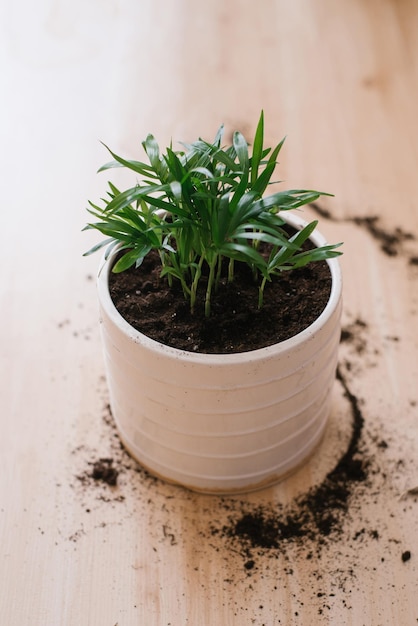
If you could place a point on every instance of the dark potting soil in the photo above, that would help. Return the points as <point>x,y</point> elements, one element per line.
<point>103,470</point>
<point>291,303</point>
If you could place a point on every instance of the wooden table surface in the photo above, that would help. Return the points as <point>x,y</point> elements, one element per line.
<point>340,80</point>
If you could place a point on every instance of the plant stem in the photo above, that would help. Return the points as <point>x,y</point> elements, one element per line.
<point>211,280</point>
<point>261,292</point>
<point>193,289</point>
<point>219,272</point>
<point>231,270</point>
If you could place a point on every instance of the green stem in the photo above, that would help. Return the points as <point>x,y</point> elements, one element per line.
<point>231,270</point>
<point>165,264</point>
<point>211,280</point>
<point>261,292</point>
<point>195,283</point>
<point>219,272</point>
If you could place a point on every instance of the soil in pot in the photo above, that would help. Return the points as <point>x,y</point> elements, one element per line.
<point>291,303</point>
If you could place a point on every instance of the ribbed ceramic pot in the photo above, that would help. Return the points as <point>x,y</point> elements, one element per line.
<point>221,423</point>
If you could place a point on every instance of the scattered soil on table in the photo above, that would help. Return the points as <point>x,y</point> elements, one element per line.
<point>406,556</point>
<point>390,241</point>
<point>317,515</point>
<point>324,525</point>
<point>103,470</point>
<point>292,302</point>
<point>322,211</point>
<point>353,334</point>
<point>100,471</point>
<point>327,525</point>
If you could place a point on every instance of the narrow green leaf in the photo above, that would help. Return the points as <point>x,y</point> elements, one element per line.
<point>175,187</point>
<point>241,149</point>
<point>98,246</point>
<point>130,258</point>
<point>223,157</point>
<point>243,253</point>
<point>152,150</point>
<point>257,149</point>
<point>263,180</point>
<point>221,220</point>
<point>202,170</point>
<point>254,235</point>
<point>218,137</point>
<point>136,166</point>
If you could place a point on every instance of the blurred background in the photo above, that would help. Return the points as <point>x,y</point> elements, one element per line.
<point>75,73</point>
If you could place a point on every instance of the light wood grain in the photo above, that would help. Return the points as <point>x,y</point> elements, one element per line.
<point>340,80</point>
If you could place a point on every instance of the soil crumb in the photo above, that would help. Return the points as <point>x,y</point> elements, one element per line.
<point>406,556</point>
<point>104,471</point>
<point>353,334</point>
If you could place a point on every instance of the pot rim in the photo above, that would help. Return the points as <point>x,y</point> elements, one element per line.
<point>213,359</point>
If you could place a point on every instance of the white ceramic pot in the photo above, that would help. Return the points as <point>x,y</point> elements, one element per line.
<point>221,423</point>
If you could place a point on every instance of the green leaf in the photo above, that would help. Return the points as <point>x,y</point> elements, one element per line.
<point>256,235</point>
<point>264,179</point>
<point>221,220</point>
<point>218,138</point>
<point>175,187</point>
<point>136,166</point>
<point>98,246</point>
<point>152,149</point>
<point>257,149</point>
<point>224,158</point>
<point>246,208</point>
<point>241,149</point>
<point>175,166</point>
<point>136,194</point>
<point>202,170</point>
<point>244,253</point>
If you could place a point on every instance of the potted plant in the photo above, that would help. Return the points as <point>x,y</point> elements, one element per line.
<point>199,225</point>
